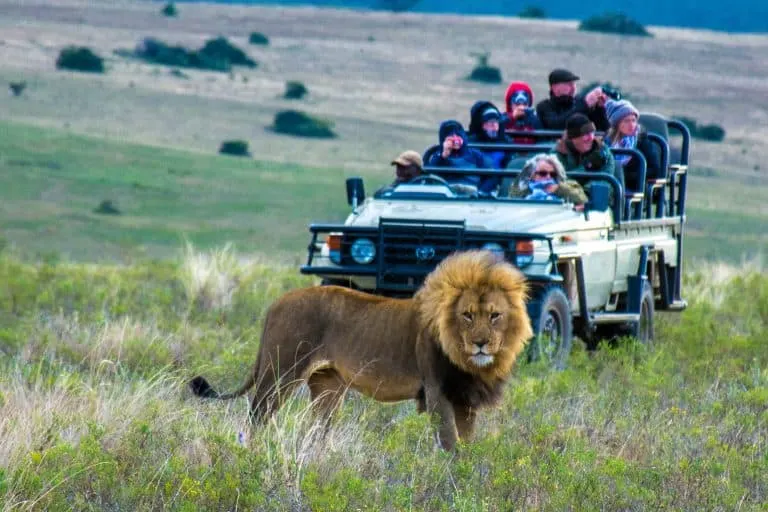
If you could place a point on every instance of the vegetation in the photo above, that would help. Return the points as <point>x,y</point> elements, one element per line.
<point>235,148</point>
<point>295,90</point>
<point>258,38</point>
<point>80,58</point>
<point>96,414</point>
<point>711,132</point>
<point>216,54</point>
<point>107,207</point>
<point>170,10</point>
<point>301,124</point>
<point>614,23</point>
<point>483,72</point>
<point>17,88</point>
<point>533,12</point>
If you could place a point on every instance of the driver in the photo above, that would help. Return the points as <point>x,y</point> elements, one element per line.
<point>408,165</point>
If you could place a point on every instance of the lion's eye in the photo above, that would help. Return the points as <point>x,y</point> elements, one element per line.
<point>495,316</point>
<point>467,316</point>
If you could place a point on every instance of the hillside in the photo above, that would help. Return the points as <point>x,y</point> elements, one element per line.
<point>385,80</point>
<point>740,16</point>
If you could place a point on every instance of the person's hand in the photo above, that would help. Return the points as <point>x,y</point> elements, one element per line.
<point>593,97</point>
<point>579,207</point>
<point>551,189</point>
<point>518,111</point>
<point>447,147</point>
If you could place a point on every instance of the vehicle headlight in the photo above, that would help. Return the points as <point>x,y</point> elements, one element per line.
<point>363,251</point>
<point>494,248</point>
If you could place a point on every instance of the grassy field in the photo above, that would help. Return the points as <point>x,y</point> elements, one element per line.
<point>95,415</point>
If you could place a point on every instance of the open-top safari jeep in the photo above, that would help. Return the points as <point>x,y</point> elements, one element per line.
<point>599,273</point>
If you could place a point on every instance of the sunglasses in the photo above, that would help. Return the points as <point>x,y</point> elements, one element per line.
<point>551,174</point>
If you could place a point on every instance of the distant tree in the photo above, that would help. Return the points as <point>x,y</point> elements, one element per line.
<point>293,122</point>
<point>258,38</point>
<point>533,12</point>
<point>80,58</point>
<point>234,148</point>
<point>170,10</point>
<point>17,88</point>
<point>295,90</point>
<point>395,5</point>
<point>221,48</point>
<point>614,23</point>
<point>483,72</point>
<point>711,132</point>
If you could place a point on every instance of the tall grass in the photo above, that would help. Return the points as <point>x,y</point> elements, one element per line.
<point>95,413</point>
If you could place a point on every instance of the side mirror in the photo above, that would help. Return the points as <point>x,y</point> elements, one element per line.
<point>599,196</point>
<point>355,191</point>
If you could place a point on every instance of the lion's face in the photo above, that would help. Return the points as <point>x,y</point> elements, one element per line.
<point>481,322</point>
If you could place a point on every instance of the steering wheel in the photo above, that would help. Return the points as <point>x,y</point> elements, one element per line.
<point>429,178</point>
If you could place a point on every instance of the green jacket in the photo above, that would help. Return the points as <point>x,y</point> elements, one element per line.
<point>597,159</point>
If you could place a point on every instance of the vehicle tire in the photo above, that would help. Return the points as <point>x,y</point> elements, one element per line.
<point>553,329</point>
<point>643,329</point>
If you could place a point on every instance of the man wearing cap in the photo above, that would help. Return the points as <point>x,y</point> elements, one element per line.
<point>563,102</point>
<point>579,150</point>
<point>484,128</point>
<point>408,165</point>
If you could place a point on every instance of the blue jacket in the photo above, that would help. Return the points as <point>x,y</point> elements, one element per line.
<point>465,158</point>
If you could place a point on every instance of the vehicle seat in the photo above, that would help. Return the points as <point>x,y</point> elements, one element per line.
<point>655,189</point>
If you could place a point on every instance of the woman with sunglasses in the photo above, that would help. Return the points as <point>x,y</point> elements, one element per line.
<point>543,177</point>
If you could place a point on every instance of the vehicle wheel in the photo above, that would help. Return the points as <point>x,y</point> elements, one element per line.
<point>643,329</point>
<point>553,330</point>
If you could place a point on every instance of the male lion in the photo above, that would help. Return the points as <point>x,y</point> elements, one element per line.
<point>451,347</point>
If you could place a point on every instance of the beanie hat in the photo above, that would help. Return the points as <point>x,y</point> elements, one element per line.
<point>490,113</point>
<point>578,125</point>
<point>618,110</point>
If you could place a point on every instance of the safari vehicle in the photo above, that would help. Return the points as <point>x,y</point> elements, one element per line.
<point>597,273</point>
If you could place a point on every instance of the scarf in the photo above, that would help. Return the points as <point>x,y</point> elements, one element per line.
<point>626,142</point>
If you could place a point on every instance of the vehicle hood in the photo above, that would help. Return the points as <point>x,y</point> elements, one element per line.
<point>517,216</point>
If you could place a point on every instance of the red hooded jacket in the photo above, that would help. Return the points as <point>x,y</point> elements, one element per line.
<point>527,123</point>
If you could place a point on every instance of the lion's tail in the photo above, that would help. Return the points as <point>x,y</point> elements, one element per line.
<point>201,387</point>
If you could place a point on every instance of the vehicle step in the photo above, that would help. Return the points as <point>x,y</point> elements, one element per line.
<point>615,318</point>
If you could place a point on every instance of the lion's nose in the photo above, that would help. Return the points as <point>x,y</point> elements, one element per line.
<point>481,343</point>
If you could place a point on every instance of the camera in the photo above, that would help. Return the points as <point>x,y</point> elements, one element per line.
<point>612,92</point>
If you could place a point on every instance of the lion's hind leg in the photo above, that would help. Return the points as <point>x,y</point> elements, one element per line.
<point>327,389</point>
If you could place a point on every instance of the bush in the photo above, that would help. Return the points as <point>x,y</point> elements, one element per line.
<point>80,58</point>
<point>170,10</point>
<point>17,87</point>
<point>221,49</point>
<point>216,55</point>
<point>483,72</point>
<point>258,38</point>
<point>107,207</point>
<point>533,12</point>
<point>614,23</point>
<point>235,148</point>
<point>293,122</point>
<point>710,132</point>
<point>295,90</point>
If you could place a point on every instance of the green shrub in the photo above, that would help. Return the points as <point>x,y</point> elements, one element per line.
<point>295,90</point>
<point>483,72</point>
<point>216,55</point>
<point>614,23</point>
<point>258,38</point>
<point>293,122</point>
<point>221,49</point>
<point>17,87</point>
<point>235,148</point>
<point>170,10</point>
<point>107,207</point>
<point>533,12</point>
<point>80,58</point>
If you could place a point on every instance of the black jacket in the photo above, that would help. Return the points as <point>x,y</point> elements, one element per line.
<point>555,111</point>
<point>652,154</point>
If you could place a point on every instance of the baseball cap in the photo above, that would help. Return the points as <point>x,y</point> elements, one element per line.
<point>407,158</point>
